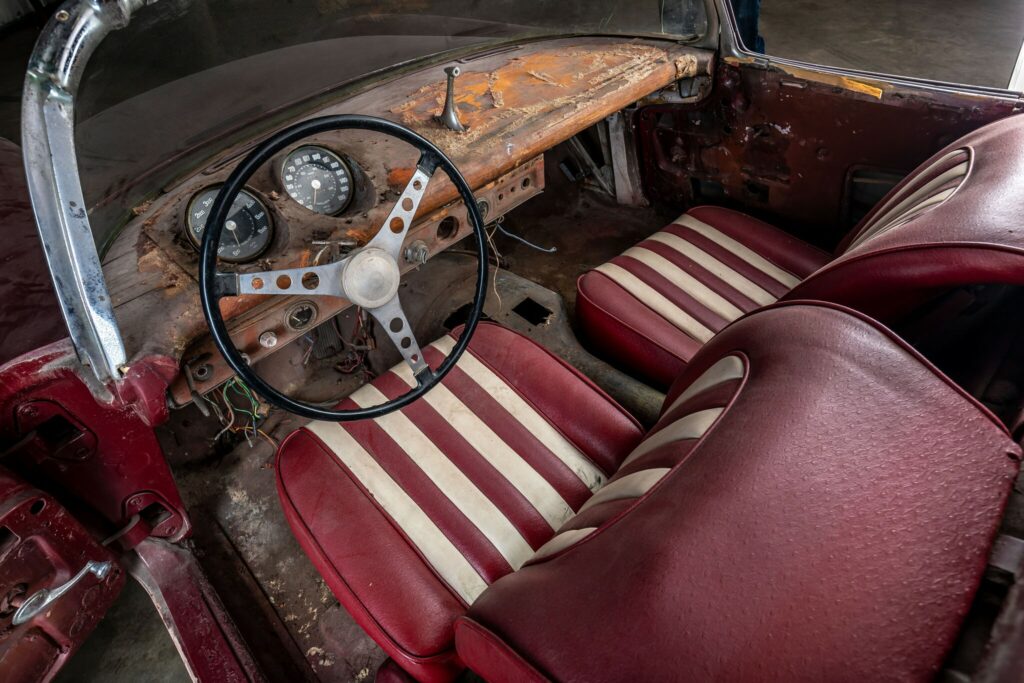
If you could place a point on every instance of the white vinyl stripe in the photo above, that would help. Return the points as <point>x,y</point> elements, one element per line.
<point>661,305</point>
<point>728,368</point>
<point>741,284</point>
<point>740,250</point>
<point>630,486</point>
<point>941,161</point>
<point>527,416</point>
<point>454,484</point>
<point>910,213</point>
<point>439,552</point>
<point>535,488</point>
<point>691,426</point>
<point>561,542</point>
<point>922,193</point>
<point>709,298</point>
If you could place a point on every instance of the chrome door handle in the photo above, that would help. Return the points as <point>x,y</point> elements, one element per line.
<point>42,599</point>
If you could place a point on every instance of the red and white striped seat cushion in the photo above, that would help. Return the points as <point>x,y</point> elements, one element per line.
<point>411,516</point>
<point>651,308</point>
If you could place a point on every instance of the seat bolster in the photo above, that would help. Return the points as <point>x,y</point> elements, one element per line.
<point>630,335</point>
<point>493,659</point>
<point>375,591</point>
<point>787,252</point>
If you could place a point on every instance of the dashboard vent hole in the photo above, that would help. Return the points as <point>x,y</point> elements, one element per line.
<point>447,228</point>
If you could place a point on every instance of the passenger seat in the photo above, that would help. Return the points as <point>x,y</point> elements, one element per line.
<point>954,221</point>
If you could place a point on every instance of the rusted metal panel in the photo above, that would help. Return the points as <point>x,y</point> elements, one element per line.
<point>517,103</point>
<point>437,231</point>
<point>780,141</point>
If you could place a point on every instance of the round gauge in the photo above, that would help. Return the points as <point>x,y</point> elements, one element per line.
<point>318,179</point>
<point>247,231</point>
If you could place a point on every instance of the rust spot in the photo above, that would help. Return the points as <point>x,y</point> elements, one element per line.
<point>400,177</point>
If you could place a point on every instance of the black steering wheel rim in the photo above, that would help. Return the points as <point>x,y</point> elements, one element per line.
<point>210,293</point>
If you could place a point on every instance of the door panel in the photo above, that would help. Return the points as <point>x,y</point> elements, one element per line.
<point>41,547</point>
<point>801,147</point>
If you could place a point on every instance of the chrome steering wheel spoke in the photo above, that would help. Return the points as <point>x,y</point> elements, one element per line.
<point>326,280</point>
<point>396,226</point>
<point>392,318</point>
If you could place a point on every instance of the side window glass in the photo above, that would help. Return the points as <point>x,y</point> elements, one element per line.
<point>969,43</point>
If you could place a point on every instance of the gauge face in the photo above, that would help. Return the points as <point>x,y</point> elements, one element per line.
<point>247,231</point>
<point>318,179</point>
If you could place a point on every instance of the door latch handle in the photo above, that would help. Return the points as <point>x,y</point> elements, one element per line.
<point>40,600</point>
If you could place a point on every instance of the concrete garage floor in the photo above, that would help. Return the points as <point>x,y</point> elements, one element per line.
<point>968,42</point>
<point>973,42</point>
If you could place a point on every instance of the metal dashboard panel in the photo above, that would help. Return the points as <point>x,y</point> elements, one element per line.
<point>517,103</point>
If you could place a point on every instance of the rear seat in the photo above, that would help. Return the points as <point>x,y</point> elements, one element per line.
<point>956,220</point>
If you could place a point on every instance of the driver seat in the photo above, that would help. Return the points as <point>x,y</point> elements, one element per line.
<point>409,517</point>
<point>811,482</point>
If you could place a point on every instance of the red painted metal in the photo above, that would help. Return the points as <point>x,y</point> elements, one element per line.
<point>104,453</point>
<point>201,628</point>
<point>42,546</point>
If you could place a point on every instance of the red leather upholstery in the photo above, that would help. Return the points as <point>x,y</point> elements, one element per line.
<point>711,266</point>
<point>953,221</point>
<point>831,521</point>
<point>963,233</point>
<point>410,516</point>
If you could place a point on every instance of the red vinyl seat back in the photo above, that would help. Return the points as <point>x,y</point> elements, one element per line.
<point>956,220</point>
<point>830,522</point>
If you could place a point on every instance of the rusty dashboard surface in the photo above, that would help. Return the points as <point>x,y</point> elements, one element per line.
<point>517,102</point>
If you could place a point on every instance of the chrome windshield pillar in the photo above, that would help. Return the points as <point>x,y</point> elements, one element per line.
<point>51,166</point>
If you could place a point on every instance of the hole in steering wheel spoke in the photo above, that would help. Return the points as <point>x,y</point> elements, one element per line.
<point>406,342</point>
<point>310,281</point>
<point>396,325</point>
<point>397,225</point>
<point>257,283</point>
<point>407,204</point>
<point>284,282</point>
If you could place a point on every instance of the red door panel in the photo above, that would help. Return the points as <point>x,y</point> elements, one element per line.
<point>41,547</point>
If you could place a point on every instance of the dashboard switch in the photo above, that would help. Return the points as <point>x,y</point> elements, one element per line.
<point>268,340</point>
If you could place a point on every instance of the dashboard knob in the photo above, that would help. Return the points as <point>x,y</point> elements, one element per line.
<point>268,340</point>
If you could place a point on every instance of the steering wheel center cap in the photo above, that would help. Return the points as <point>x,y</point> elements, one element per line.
<point>371,278</point>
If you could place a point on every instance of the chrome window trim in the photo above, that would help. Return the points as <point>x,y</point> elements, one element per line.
<point>54,72</point>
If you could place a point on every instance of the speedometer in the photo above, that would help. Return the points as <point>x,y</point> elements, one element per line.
<point>317,179</point>
<point>247,231</point>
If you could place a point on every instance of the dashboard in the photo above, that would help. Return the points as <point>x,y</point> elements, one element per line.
<point>331,192</point>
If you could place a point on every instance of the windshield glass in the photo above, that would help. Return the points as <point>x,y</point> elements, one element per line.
<point>187,77</point>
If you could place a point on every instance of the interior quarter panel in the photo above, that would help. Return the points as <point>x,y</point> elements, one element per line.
<point>781,141</point>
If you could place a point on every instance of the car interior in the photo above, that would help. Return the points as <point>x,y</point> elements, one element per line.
<point>735,388</point>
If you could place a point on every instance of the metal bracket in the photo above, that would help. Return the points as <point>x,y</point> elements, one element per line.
<point>51,166</point>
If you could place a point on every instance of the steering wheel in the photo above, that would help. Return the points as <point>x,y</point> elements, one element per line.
<point>368,277</point>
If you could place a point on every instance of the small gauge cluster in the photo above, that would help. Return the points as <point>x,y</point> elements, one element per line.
<point>314,177</point>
